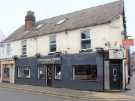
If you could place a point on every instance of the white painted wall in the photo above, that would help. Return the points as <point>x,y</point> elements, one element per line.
<point>71,41</point>
<point>12,74</point>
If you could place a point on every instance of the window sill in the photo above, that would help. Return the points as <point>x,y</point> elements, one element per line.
<point>51,53</point>
<point>86,49</point>
<point>85,80</point>
<point>58,79</point>
<point>23,78</point>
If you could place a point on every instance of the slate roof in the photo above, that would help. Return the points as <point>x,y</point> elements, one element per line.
<point>79,19</point>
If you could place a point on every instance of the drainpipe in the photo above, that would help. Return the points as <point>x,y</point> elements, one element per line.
<point>103,71</point>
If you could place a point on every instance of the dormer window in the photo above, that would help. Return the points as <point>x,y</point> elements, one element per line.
<point>85,40</point>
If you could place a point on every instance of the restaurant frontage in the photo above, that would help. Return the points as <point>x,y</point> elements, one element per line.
<point>84,71</point>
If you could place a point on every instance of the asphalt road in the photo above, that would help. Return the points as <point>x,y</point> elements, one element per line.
<point>7,94</point>
<point>14,95</point>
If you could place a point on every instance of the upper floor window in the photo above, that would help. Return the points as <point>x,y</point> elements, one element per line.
<point>24,48</point>
<point>8,49</point>
<point>53,43</point>
<point>85,40</point>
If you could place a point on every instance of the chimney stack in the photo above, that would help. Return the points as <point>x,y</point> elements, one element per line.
<point>29,20</point>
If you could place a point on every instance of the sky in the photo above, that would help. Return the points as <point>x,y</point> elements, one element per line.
<point>12,12</point>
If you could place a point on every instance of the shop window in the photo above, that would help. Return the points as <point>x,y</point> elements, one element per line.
<point>41,72</point>
<point>24,72</point>
<point>53,43</point>
<point>85,72</point>
<point>57,72</point>
<point>85,40</point>
<point>24,48</point>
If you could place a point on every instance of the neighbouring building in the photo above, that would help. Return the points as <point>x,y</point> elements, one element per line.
<point>80,50</point>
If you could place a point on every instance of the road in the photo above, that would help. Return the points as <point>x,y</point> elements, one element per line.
<point>14,95</point>
<point>7,94</point>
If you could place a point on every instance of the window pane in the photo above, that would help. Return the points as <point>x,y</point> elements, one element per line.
<point>57,72</point>
<point>20,72</point>
<point>27,73</point>
<point>86,44</point>
<point>53,39</point>
<point>23,72</point>
<point>85,40</point>
<point>41,72</point>
<point>85,72</point>
<point>85,35</point>
<point>53,48</point>
<point>24,42</point>
<point>52,43</point>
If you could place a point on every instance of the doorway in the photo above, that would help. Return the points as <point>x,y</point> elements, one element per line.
<point>115,74</point>
<point>50,75</point>
<point>6,75</point>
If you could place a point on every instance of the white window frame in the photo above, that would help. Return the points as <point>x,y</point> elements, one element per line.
<point>87,39</point>
<point>50,43</point>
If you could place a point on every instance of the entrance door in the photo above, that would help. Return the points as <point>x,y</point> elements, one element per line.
<point>6,75</point>
<point>115,75</point>
<point>50,75</point>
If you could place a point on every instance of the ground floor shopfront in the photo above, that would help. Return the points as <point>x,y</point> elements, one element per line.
<point>84,71</point>
<point>7,70</point>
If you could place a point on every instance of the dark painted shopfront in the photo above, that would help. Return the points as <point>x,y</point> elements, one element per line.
<point>84,71</point>
<point>79,71</point>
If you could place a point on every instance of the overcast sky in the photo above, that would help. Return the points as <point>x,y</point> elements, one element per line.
<point>12,12</point>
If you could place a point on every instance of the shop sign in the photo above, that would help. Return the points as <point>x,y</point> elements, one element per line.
<point>116,54</point>
<point>50,61</point>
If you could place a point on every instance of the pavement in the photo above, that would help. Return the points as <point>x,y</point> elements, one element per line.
<point>131,87</point>
<point>69,93</point>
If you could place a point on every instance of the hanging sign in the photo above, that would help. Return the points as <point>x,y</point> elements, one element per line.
<point>128,42</point>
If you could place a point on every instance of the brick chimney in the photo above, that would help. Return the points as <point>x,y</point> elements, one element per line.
<point>29,20</point>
